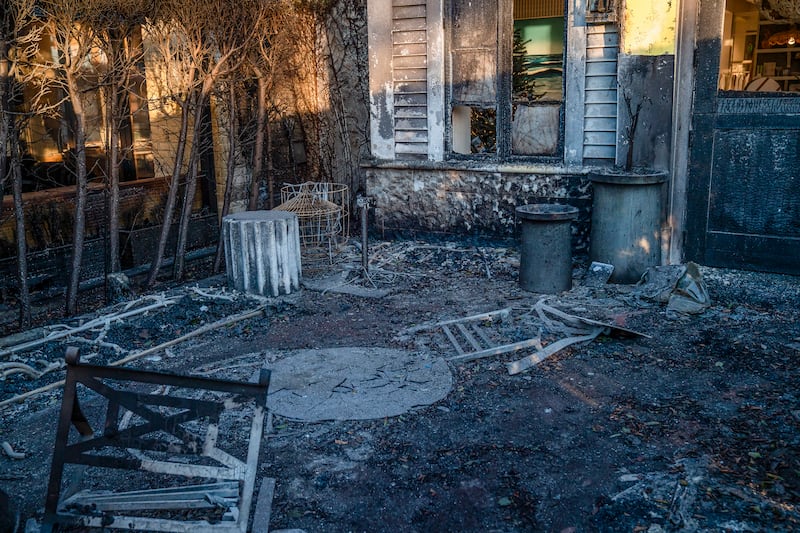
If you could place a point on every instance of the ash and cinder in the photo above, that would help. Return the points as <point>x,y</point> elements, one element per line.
<point>695,427</point>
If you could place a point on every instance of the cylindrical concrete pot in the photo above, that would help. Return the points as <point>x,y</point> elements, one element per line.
<point>262,252</point>
<point>626,221</point>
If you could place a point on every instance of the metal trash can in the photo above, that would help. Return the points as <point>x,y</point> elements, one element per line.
<point>626,222</point>
<point>546,252</point>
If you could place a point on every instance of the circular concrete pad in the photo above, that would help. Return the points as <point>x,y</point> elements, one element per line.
<point>354,383</point>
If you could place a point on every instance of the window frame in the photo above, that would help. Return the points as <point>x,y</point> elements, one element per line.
<point>503,104</point>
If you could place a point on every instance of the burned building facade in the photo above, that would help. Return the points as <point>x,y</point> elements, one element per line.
<point>479,107</point>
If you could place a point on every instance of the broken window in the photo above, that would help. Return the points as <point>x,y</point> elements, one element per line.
<point>760,46</point>
<point>537,77</point>
<point>506,77</point>
<point>474,80</point>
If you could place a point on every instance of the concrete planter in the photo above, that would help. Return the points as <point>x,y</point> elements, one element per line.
<point>262,252</point>
<point>626,221</point>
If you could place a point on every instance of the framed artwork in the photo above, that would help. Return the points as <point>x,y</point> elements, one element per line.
<point>749,46</point>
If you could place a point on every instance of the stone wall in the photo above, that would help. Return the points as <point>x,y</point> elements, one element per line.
<point>470,202</point>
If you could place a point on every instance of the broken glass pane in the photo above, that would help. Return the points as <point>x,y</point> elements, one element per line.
<point>474,130</point>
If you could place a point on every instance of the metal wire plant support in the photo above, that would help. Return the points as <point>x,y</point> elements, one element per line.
<point>323,215</point>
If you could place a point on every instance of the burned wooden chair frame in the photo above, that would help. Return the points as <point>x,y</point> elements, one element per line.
<point>235,479</point>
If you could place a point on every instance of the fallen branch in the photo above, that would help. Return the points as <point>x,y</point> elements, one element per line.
<point>6,369</point>
<point>119,350</point>
<point>199,331</point>
<point>10,451</point>
<point>26,395</point>
<point>99,321</point>
<point>217,295</point>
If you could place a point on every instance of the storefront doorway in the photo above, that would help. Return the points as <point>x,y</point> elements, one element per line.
<point>743,180</point>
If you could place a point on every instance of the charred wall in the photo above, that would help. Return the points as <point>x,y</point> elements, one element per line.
<point>344,93</point>
<point>470,201</point>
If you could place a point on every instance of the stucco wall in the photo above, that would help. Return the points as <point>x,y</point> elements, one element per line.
<point>649,27</point>
<point>464,202</point>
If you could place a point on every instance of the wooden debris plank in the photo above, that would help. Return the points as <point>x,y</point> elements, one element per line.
<point>501,314</point>
<point>582,322</point>
<point>453,339</point>
<point>467,335</point>
<point>498,350</point>
<point>149,505</point>
<point>540,355</point>
<point>222,489</point>
<point>480,333</point>
<point>263,510</point>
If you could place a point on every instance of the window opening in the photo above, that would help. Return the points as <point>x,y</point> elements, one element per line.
<point>474,76</point>
<point>506,77</point>
<point>537,77</point>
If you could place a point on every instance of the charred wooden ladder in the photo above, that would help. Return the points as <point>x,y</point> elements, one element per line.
<point>471,337</point>
<point>471,340</point>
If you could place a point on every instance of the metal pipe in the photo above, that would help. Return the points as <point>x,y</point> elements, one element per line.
<point>363,203</point>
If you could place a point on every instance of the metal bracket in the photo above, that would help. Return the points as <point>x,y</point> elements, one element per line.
<point>175,434</point>
<point>362,202</point>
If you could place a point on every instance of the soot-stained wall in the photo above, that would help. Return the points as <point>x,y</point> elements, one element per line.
<point>470,201</point>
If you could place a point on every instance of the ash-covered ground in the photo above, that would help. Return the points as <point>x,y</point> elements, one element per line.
<point>693,427</point>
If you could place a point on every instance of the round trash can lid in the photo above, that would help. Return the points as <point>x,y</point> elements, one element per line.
<point>547,212</point>
<point>641,177</point>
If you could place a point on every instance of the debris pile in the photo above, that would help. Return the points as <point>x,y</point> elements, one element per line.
<point>32,363</point>
<point>476,337</point>
<point>644,418</point>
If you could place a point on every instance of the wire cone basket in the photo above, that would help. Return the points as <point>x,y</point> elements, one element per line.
<point>322,211</point>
